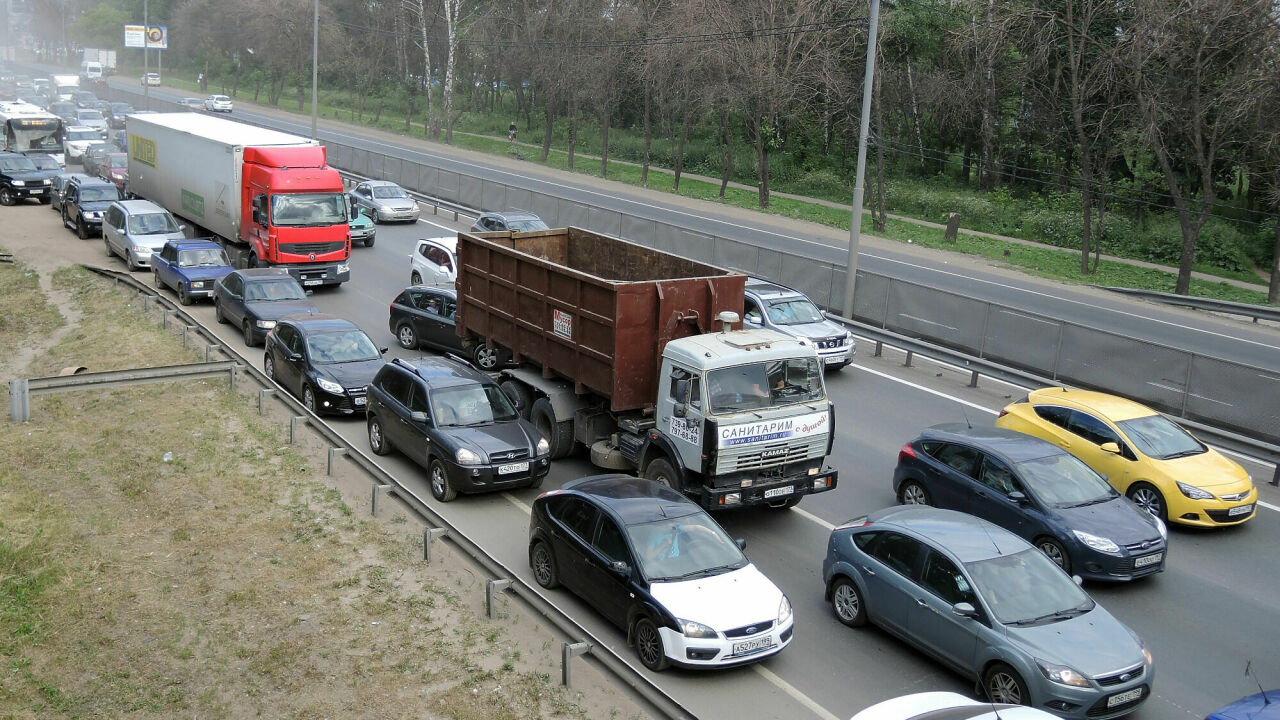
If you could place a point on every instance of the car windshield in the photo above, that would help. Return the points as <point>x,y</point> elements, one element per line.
<point>83,135</point>
<point>152,224</point>
<point>272,290</point>
<point>1027,588</point>
<point>793,311</point>
<point>525,224</point>
<point>1064,481</point>
<point>1159,437</point>
<point>99,193</point>
<point>308,209</point>
<point>62,108</point>
<point>388,191</point>
<point>202,257</point>
<point>44,162</point>
<point>17,163</point>
<point>761,385</point>
<point>343,346</point>
<point>88,115</point>
<point>121,108</point>
<point>476,404</point>
<point>684,548</point>
<point>118,161</point>
<point>220,98</point>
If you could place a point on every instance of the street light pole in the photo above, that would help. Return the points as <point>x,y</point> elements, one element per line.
<point>146,43</point>
<point>855,226</point>
<point>315,67</point>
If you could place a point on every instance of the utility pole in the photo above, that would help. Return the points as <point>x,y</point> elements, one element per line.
<point>146,43</point>
<point>859,187</point>
<point>315,67</point>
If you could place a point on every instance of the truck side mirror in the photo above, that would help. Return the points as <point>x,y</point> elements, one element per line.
<point>259,218</point>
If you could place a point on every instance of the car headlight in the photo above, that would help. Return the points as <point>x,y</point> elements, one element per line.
<point>1164,529</point>
<point>696,629</point>
<point>19,183</point>
<point>265,324</point>
<point>1095,542</point>
<point>466,457</point>
<point>1194,492</point>
<point>544,447</point>
<point>344,268</point>
<point>329,385</point>
<point>784,610</point>
<point>1062,674</point>
<point>93,215</point>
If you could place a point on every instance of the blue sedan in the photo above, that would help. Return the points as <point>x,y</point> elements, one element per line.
<point>1037,491</point>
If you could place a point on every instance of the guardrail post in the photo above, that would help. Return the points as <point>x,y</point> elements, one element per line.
<point>429,536</point>
<point>910,354</point>
<point>19,400</point>
<point>262,394</point>
<point>568,652</point>
<point>973,379</point>
<point>186,330</point>
<point>879,349</point>
<point>210,349</point>
<point>293,427</point>
<point>1275,478</point>
<point>234,368</point>
<point>164,316</point>
<point>146,304</point>
<point>333,453</point>
<point>491,590</point>
<point>377,491</point>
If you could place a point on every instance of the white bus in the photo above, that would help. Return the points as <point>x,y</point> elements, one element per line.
<point>29,129</point>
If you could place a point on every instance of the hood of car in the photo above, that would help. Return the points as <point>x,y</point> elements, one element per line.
<point>1094,643</point>
<point>722,602</point>
<point>394,203</point>
<point>276,309</point>
<point>95,206</point>
<point>156,242</point>
<point>30,175</point>
<point>1117,519</point>
<point>1254,707</point>
<point>352,374</point>
<point>360,222</point>
<point>820,330</point>
<point>204,272</point>
<point>1209,470</point>
<point>495,437</point>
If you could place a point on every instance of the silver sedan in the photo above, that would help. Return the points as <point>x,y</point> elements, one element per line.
<point>385,201</point>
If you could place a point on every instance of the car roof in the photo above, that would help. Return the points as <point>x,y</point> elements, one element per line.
<point>380,183</point>
<point>968,538</point>
<point>318,323</point>
<point>1112,407</point>
<point>264,273</point>
<point>193,243</point>
<point>633,500</point>
<point>1010,444</point>
<point>514,214</point>
<point>442,289</point>
<point>449,242</point>
<point>89,181</point>
<point>767,288</point>
<point>137,206</point>
<point>441,372</point>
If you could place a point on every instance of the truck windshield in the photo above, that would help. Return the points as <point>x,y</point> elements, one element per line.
<point>308,209</point>
<point>763,385</point>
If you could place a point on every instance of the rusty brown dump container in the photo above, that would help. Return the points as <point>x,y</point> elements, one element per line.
<point>590,308</point>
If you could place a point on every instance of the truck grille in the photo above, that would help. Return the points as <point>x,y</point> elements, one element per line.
<point>319,248</point>
<point>767,455</point>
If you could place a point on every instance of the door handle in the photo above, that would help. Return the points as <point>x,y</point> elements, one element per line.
<point>868,571</point>
<point>922,603</point>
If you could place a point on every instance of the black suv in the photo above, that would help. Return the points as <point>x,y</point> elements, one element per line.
<point>84,202</point>
<point>20,179</point>
<point>452,419</point>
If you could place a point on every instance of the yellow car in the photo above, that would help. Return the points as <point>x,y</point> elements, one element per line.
<point>1146,456</point>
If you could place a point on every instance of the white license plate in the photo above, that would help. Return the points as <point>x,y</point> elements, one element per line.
<point>1241,510</point>
<point>833,359</point>
<point>513,468</point>
<point>358,401</point>
<point>778,492</point>
<point>312,282</point>
<point>1124,697</point>
<point>750,646</point>
<point>1148,560</point>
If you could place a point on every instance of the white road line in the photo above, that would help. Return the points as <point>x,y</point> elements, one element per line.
<point>1269,506</point>
<point>814,518</point>
<point>798,696</point>
<point>931,391</point>
<point>515,501</point>
<point>436,224</point>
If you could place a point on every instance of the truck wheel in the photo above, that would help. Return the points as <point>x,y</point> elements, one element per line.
<point>253,261</point>
<point>661,472</point>
<point>558,434</point>
<point>519,396</point>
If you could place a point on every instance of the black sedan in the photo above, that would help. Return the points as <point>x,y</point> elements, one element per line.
<point>1034,489</point>
<point>455,421</point>
<point>422,316</point>
<point>324,360</point>
<point>255,299</point>
<point>661,568</point>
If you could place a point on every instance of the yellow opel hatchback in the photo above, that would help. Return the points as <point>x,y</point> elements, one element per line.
<point>1146,456</point>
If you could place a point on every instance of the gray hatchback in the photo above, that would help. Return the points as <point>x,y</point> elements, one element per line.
<point>988,604</point>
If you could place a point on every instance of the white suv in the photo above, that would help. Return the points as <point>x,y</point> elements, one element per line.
<point>434,261</point>
<point>78,139</point>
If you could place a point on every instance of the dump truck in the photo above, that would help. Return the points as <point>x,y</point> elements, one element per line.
<point>268,197</point>
<point>639,355</point>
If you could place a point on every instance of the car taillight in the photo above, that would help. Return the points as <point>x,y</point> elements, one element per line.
<point>1003,412</point>
<point>906,452</point>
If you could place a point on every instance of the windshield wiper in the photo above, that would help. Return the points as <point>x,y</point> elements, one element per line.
<point>1056,615</point>
<point>1184,453</point>
<point>1094,501</point>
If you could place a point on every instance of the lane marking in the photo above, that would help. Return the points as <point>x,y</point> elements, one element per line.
<point>810,516</point>
<point>1269,506</point>
<point>795,694</point>
<point>517,502</point>
<point>930,391</point>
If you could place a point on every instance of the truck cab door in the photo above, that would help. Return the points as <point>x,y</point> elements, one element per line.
<point>680,412</point>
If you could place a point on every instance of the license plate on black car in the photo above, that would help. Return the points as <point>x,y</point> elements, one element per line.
<point>1147,560</point>
<point>312,282</point>
<point>513,468</point>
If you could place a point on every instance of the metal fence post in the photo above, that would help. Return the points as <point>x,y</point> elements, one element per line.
<point>262,394</point>
<point>293,427</point>
<point>19,400</point>
<point>491,589</point>
<point>429,536</point>
<point>568,652</point>
<point>186,331</point>
<point>333,453</point>
<point>377,491</point>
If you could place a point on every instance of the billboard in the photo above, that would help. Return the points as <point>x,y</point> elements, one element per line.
<point>156,36</point>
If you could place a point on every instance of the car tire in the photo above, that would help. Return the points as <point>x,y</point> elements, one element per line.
<point>438,479</point>
<point>1002,684</point>
<point>415,279</point>
<point>217,312</point>
<point>1056,552</point>
<point>253,261</point>
<point>247,331</point>
<point>648,643</point>
<point>82,230</point>
<point>378,441</point>
<point>407,338</point>
<point>543,562</point>
<point>519,396</point>
<point>558,434</point>
<point>662,472</point>
<point>1148,497</point>
<point>46,200</point>
<point>155,275</point>
<point>130,261</point>
<point>368,242</point>
<point>536,483</point>
<point>183,296</point>
<point>487,358</point>
<point>309,400</point>
<point>6,196</point>
<point>846,602</point>
<point>912,492</point>
<point>269,366</point>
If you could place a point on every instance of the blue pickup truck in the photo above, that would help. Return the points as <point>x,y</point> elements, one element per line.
<point>190,268</point>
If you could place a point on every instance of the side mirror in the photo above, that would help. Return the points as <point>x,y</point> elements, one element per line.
<point>1111,447</point>
<point>1019,497</point>
<point>741,543</point>
<point>751,318</point>
<point>620,568</point>
<point>295,357</point>
<point>382,350</point>
<point>259,218</point>
<point>964,609</point>
<point>418,416</point>
<point>1078,580</point>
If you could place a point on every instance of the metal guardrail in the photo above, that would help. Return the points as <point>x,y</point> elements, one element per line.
<point>644,689</point>
<point>436,203</point>
<point>21,390</point>
<point>1264,312</point>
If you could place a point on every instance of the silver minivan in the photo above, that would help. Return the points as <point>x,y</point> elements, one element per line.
<point>134,229</point>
